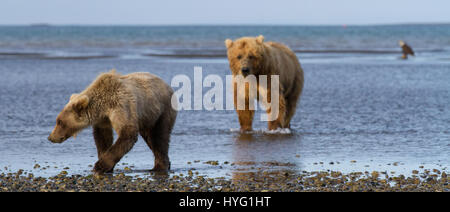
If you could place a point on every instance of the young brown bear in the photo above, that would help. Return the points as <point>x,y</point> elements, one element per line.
<point>253,56</point>
<point>129,104</point>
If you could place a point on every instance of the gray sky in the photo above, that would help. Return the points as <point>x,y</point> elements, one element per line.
<point>168,12</point>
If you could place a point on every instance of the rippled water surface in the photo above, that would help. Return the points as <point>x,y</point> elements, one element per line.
<point>358,112</point>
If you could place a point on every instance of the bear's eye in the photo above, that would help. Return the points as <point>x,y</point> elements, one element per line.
<point>60,123</point>
<point>251,57</point>
<point>239,57</point>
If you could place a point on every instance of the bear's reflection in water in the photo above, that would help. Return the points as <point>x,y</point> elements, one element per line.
<point>258,154</point>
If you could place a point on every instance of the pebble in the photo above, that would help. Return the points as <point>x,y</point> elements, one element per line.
<point>261,181</point>
<point>212,162</point>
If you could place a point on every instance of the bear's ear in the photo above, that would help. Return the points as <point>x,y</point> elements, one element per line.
<point>81,102</point>
<point>73,96</point>
<point>260,39</point>
<point>228,43</point>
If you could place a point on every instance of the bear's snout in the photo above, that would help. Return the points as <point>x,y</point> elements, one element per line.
<point>56,140</point>
<point>245,71</point>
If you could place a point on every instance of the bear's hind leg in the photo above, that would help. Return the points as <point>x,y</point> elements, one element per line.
<point>158,143</point>
<point>145,133</point>
<point>291,103</point>
<point>280,120</point>
<point>158,138</point>
<point>291,106</point>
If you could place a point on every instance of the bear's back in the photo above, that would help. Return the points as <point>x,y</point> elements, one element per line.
<point>144,79</point>
<point>147,83</point>
<point>139,76</point>
<point>283,48</point>
<point>148,89</point>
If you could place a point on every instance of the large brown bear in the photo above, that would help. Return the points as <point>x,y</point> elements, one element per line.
<point>137,103</point>
<point>253,56</point>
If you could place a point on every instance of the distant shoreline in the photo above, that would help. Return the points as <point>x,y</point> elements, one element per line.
<point>221,25</point>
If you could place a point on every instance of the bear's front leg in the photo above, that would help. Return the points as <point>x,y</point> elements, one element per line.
<point>104,166</point>
<point>245,113</point>
<point>245,119</point>
<point>103,137</point>
<point>127,137</point>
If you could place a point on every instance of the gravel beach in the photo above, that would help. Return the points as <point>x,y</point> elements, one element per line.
<point>427,181</point>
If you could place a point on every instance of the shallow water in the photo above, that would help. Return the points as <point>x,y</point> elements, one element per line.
<point>352,117</point>
<point>362,108</point>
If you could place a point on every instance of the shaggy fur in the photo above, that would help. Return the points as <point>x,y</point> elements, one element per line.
<point>137,103</point>
<point>251,55</point>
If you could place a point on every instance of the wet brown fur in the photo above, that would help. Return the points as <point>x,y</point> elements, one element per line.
<point>267,58</point>
<point>137,103</point>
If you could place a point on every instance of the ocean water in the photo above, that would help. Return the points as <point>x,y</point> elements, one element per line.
<point>362,108</point>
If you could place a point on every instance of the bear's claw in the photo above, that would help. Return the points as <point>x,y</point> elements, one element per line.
<point>102,167</point>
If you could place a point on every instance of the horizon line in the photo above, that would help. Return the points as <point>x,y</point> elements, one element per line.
<point>231,24</point>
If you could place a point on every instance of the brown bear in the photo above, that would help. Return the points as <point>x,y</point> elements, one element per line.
<point>129,104</point>
<point>252,56</point>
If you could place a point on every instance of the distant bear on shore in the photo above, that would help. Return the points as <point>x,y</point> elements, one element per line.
<point>137,103</point>
<point>253,56</point>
